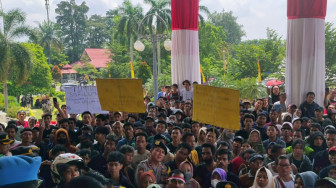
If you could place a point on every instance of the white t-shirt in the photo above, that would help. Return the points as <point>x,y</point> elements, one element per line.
<point>186,94</point>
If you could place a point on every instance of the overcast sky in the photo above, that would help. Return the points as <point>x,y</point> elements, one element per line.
<point>254,15</point>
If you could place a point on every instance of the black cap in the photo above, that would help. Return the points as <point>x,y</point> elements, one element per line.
<point>319,109</point>
<point>159,137</point>
<point>31,151</point>
<point>87,127</point>
<point>4,138</point>
<point>102,130</point>
<point>262,114</point>
<point>160,145</point>
<point>255,156</point>
<point>149,118</point>
<point>87,136</point>
<point>224,184</point>
<point>239,139</point>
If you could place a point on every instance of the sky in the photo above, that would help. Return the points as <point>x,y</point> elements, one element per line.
<point>254,15</point>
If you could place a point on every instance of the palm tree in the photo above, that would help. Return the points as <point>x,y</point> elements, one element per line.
<point>160,8</point>
<point>48,37</point>
<point>205,10</point>
<point>13,55</point>
<point>130,16</point>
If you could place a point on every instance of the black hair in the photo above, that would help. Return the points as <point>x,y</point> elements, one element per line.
<point>303,132</point>
<point>281,157</point>
<point>98,176</point>
<point>331,167</point>
<point>184,145</point>
<point>112,138</point>
<point>58,148</point>
<point>84,182</point>
<point>224,152</point>
<point>224,143</point>
<point>310,93</point>
<point>211,146</point>
<point>250,116</point>
<point>186,126</point>
<point>249,151</point>
<point>212,129</point>
<point>161,122</point>
<point>175,85</point>
<point>316,125</point>
<point>186,81</point>
<point>186,135</point>
<point>128,124</point>
<point>14,122</point>
<point>102,130</point>
<point>126,149</point>
<point>276,148</point>
<point>12,126</point>
<point>331,131</point>
<point>84,152</point>
<point>177,128</point>
<point>131,116</point>
<point>86,112</point>
<point>176,171</point>
<point>116,156</point>
<point>72,119</point>
<point>64,120</point>
<point>141,134</point>
<point>298,142</point>
<point>103,117</point>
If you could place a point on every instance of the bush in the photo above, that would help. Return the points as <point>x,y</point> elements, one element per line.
<point>12,102</point>
<point>60,95</point>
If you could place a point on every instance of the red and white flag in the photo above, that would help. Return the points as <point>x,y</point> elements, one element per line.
<point>185,61</point>
<point>305,65</point>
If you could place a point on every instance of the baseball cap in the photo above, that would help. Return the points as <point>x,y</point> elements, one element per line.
<point>319,109</point>
<point>297,119</point>
<point>160,145</point>
<point>238,138</point>
<point>332,149</point>
<point>287,124</point>
<point>255,156</point>
<point>87,127</point>
<point>31,151</point>
<point>149,118</point>
<point>4,139</point>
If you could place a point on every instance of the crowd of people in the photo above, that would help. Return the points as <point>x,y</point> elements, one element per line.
<point>279,145</point>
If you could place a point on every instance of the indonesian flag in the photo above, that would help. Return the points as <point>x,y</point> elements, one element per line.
<point>185,47</point>
<point>305,66</point>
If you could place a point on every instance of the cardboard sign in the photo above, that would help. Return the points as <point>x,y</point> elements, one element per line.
<point>216,106</point>
<point>82,98</point>
<point>122,95</point>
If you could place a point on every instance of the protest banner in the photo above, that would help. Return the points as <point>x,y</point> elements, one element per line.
<point>216,106</point>
<point>82,98</point>
<point>122,95</point>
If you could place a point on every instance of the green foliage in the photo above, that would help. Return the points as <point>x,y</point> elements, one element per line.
<point>72,20</point>
<point>228,22</point>
<point>162,81</point>
<point>56,73</point>
<point>87,70</point>
<point>12,102</point>
<point>39,80</point>
<point>60,95</point>
<point>143,71</point>
<point>97,32</point>
<point>330,56</point>
<point>58,58</point>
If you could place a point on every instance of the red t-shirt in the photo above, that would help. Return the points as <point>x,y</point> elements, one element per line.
<point>25,124</point>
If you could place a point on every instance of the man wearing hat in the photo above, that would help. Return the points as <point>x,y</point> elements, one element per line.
<point>4,145</point>
<point>308,106</point>
<point>319,112</point>
<point>256,162</point>
<point>154,164</point>
<point>321,159</point>
<point>332,159</point>
<point>236,146</point>
<point>26,137</point>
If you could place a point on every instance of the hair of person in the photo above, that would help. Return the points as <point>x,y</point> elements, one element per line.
<point>224,152</point>
<point>141,134</point>
<point>214,130</point>
<point>72,119</point>
<point>298,142</point>
<point>186,135</point>
<point>126,149</point>
<point>331,131</point>
<point>84,152</point>
<point>84,182</point>
<point>161,122</point>
<point>112,138</point>
<point>175,85</point>
<point>9,126</point>
<point>303,133</point>
<point>272,125</point>
<point>332,167</point>
<point>128,124</point>
<point>184,145</point>
<point>102,130</point>
<point>249,151</point>
<point>316,125</point>
<point>58,148</point>
<point>98,176</point>
<point>273,110</point>
<point>249,116</point>
<point>116,156</point>
<point>310,93</point>
<point>176,171</point>
<point>21,111</point>
<point>211,146</point>
<point>177,128</point>
<point>64,120</point>
<point>103,117</point>
<point>282,157</point>
<point>86,112</point>
<point>14,122</point>
<point>131,116</point>
<point>222,143</point>
<point>276,148</point>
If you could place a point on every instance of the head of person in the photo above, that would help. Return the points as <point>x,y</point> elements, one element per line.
<point>245,146</point>
<point>305,179</point>
<point>158,151</point>
<point>87,117</point>
<point>176,179</point>
<point>332,172</point>
<point>332,155</point>
<point>195,128</point>
<point>237,143</point>
<point>310,97</point>
<point>331,138</point>
<point>255,162</point>
<point>208,153</point>
<point>189,139</point>
<point>176,134</point>
<point>146,179</point>
<point>261,119</point>
<point>254,136</point>
<point>26,135</point>
<point>248,121</point>
<point>315,127</point>
<point>283,165</point>
<point>72,123</point>
<point>298,148</point>
<point>223,158</point>
<point>319,112</point>
<point>11,130</point>
<point>117,116</point>
<point>62,137</point>
<point>263,178</point>
<point>286,129</point>
<point>218,175</point>
<point>128,130</point>
<point>115,162</point>
<point>21,115</point>
<point>57,150</point>
<point>186,84</point>
<point>277,150</point>
<point>202,134</point>
<point>223,145</point>
<point>128,152</point>
<point>296,122</point>
<point>299,134</point>
<point>64,123</point>
<point>211,135</point>
<point>182,152</point>
<point>117,128</point>
<point>31,122</point>
<point>161,127</point>
<point>47,118</point>
<point>5,142</point>
<point>100,120</point>
<point>246,155</point>
<point>318,141</point>
<point>85,154</point>
<point>149,123</point>
<point>275,90</point>
<point>110,143</point>
<point>258,104</point>
<point>101,133</point>
<point>66,167</point>
<point>141,140</point>
<point>272,131</point>
<point>187,168</point>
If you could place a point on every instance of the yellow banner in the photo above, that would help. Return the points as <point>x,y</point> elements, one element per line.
<point>259,72</point>
<point>122,95</point>
<point>225,65</point>
<point>132,70</point>
<point>216,106</point>
<point>203,78</point>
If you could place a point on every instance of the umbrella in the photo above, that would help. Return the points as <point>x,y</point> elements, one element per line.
<point>274,83</point>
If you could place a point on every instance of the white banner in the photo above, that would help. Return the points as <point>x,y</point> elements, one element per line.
<point>83,98</point>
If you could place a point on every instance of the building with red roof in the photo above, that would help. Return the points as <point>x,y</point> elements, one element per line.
<point>98,57</point>
<point>68,73</point>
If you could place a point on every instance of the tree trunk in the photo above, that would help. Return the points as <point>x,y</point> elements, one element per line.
<point>158,48</point>
<point>5,91</point>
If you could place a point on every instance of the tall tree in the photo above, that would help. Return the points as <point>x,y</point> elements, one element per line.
<point>330,56</point>
<point>14,55</point>
<point>159,8</point>
<point>72,19</point>
<point>130,16</point>
<point>233,30</point>
<point>97,31</point>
